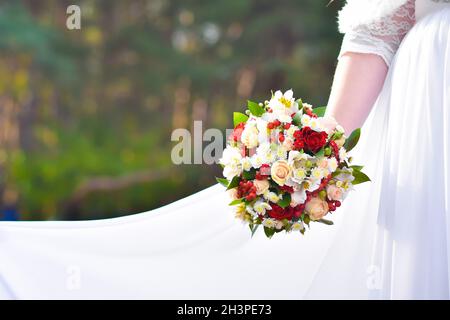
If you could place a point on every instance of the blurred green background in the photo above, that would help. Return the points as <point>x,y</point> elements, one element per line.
<point>86,115</point>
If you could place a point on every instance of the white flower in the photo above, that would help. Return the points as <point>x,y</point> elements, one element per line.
<point>306,120</point>
<point>298,175</point>
<point>299,197</point>
<point>332,165</point>
<point>272,197</point>
<point>281,153</point>
<point>297,161</point>
<point>283,106</point>
<point>269,223</point>
<point>263,136</point>
<point>230,155</point>
<point>298,226</point>
<point>318,173</point>
<point>232,171</point>
<point>260,207</point>
<point>311,185</point>
<point>231,160</point>
<point>246,164</point>
<point>345,177</point>
<point>343,156</point>
<point>290,132</point>
<point>257,161</point>
<point>315,124</point>
<point>250,136</point>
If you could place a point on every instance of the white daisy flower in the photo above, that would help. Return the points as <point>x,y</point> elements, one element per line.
<point>315,124</point>
<point>269,223</point>
<point>306,121</point>
<point>272,197</point>
<point>318,173</point>
<point>297,226</point>
<point>260,207</point>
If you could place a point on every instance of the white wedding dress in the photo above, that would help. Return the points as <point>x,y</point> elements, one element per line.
<point>391,238</point>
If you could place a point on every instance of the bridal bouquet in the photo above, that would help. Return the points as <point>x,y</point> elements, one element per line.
<point>286,165</point>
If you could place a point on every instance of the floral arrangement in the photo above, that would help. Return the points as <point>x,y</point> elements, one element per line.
<point>286,165</point>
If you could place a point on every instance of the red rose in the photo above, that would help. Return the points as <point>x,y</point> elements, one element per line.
<point>313,140</point>
<point>279,213</point>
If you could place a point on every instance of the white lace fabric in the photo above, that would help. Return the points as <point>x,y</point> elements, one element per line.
<point>383,36</point>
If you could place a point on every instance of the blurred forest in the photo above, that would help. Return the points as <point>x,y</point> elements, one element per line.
<point>86,115</point>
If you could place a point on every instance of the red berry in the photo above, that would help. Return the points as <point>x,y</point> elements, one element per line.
<point>277,123</point>
<point>338,204</point>
<point>281,138</point>
<point>287,126</point>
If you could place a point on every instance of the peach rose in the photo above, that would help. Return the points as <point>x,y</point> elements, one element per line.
<point>334,192</point>
<point>316,208</point>
<point>261,186</point>
<point>233,193</point>
<point>281,172</point>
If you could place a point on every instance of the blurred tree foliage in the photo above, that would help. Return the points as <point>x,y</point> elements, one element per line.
<point>86,115</point>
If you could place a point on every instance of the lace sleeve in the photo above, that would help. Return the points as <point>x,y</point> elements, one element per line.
<point>383,36</point>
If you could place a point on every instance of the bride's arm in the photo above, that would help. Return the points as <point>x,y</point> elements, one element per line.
<point>357,82</point>
<point>366,53</point>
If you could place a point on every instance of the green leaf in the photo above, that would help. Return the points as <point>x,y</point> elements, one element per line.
<point>297,119</point>
<point>352,140</point>
<point>249,175</point>
<point>320,153</point>
<point>325,221</point>
<point>319,111</point>
<point>357,168</point>
<point>360,177</point>
<point>300,104</point>
<point>286,201</point>
<point>255,108</point>
<point>223,182</point>
<point>269,232</point>
<point>234,183</point>
<point>236,202</point>
<point>239,118</point>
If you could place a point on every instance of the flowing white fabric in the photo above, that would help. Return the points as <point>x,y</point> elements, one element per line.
<point>390,238</point>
